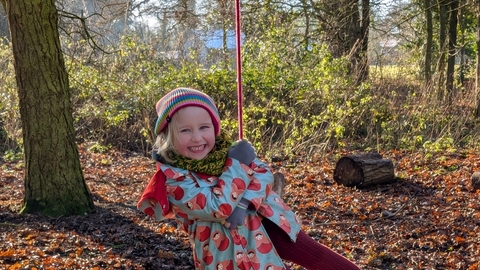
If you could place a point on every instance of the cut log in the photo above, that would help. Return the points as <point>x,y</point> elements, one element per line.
<point>363,170</point>
<point>476,181</point>
<point>278,183</point>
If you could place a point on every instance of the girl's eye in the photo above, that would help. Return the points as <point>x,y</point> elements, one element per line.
<point>204,127</point>
<point>185,130</point>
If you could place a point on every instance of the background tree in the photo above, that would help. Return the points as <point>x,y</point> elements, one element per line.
<point>428,44</point>
<point>54,182</point>
<point>345,27</point>
<point>4,33</point>
<point>477,65</point>
<point>443,45</point>
<point>362,55</point>
<point>452,47</point>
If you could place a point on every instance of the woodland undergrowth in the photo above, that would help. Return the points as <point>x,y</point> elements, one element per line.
<point>293,102</point>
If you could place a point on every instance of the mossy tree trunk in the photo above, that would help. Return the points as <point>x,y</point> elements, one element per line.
<point>54,182</point>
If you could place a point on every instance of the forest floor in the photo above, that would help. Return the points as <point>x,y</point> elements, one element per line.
<point>428,218</point>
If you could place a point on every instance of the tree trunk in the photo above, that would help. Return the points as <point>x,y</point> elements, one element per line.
<point>462,39</point>
<point>363,170</point>
<point>362,73</point>
<point>330,17</point>
<point>477,64</point>
<point>354,39</point>
<point>428,45</point>
<point>54,183</point>
<point>442,48</point>
<point>452,44</point>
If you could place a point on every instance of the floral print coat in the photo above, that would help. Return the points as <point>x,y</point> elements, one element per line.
<point>201,202</point>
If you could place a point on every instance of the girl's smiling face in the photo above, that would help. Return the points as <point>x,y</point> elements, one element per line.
<point>195,132</point>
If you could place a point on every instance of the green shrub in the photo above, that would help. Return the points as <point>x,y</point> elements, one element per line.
<point>10,124</point>
<point>294,101</point>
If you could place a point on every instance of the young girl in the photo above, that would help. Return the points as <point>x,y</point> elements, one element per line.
<point>221,194</point>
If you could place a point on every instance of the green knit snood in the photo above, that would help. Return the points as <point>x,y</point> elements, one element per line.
<point>212,164</point>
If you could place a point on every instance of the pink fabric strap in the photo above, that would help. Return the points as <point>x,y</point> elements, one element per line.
<point>239,69</point>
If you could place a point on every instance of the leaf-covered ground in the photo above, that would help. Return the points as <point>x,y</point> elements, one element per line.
<point>429,218</point>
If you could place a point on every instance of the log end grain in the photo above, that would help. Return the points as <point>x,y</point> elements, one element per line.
<point>348,173</point>
<point>476,181</point>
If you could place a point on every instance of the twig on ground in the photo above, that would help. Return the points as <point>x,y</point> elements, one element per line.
<point>7,224</point>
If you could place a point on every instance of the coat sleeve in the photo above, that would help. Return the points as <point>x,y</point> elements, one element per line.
<point>154,201</point>
<point>261,184</point>
<point>191,201</point>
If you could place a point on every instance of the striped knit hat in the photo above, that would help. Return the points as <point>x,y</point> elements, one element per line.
<point>179,98</point>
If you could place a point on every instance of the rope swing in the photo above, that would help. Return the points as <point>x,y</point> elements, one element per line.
<point>239,69</point>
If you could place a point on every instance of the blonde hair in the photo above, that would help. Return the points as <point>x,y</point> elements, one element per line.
<point>164,144</point>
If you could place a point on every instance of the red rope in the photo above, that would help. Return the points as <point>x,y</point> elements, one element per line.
<point>239,70</point>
